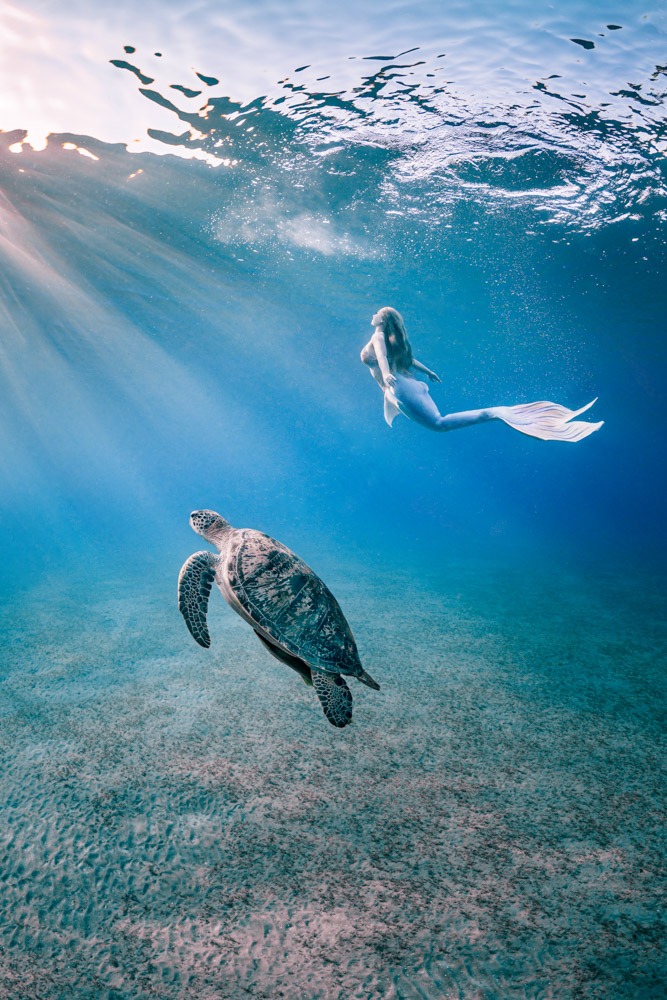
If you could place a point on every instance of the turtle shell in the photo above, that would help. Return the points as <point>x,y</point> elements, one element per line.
<point>283,596</point>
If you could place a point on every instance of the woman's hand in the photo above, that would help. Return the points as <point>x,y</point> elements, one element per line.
<point>390,381</point>
<point>433,377</point>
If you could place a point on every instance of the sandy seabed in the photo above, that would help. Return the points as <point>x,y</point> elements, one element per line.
<point>180,822</point>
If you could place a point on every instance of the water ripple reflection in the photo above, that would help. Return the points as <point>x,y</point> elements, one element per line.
<point>580,158</point>
<point>558,106</point>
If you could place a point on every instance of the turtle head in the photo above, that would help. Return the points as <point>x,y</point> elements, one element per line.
<point>209,525</point>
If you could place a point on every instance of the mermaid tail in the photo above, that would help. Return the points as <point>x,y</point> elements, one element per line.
<point>391,407</point>
<point>411,397</point>
<point>547,421</point>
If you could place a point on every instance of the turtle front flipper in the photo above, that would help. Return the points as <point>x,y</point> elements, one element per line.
<point>194,587</point>
<point>335,696</point>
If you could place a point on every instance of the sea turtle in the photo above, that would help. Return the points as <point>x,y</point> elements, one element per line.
<point>293,612</point>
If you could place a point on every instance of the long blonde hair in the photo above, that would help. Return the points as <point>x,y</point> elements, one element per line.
<point>399,351</point>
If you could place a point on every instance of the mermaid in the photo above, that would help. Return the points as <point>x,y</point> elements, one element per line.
<point>389,356</point>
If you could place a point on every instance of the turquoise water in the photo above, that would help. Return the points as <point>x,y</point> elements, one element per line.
<point>193,244</point>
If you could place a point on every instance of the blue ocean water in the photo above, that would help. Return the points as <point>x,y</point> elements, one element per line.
<point>202,207</point>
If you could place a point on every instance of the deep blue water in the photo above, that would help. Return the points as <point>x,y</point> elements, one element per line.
<point>174,331</point>
<point>183,306</point>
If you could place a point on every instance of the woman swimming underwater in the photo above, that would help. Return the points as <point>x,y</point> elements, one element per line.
<point>389,356</point>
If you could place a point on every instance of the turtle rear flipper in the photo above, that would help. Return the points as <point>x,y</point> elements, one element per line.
<point>194,587</point>
<point>335,696</point>
<point>292,661</point>
<point>366,679</point>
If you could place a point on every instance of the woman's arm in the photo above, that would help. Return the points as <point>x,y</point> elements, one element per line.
<point>418,366</point>
<point>377,340</point>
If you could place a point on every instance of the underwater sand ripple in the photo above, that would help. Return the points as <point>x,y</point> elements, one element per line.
<point>489,827</point>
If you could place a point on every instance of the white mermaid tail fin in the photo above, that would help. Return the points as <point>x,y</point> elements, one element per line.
<point>391,408</point>
<point>548,421</point>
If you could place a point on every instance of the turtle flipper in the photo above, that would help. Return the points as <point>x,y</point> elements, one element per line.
<point>194,586</point>
<point>292,661</point>
<point>335,696</point>
<point>366,679</point>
